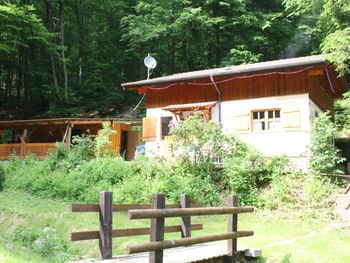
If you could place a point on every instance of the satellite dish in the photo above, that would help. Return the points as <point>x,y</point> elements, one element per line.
<point>150,63</point>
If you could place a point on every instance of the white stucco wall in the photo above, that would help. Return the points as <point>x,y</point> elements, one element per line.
<point>291,142</point>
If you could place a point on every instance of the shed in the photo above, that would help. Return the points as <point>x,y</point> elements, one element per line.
<point>39,136</point>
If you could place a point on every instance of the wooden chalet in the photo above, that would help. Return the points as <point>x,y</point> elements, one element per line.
<point>39,136</point>
<point>270,105</point>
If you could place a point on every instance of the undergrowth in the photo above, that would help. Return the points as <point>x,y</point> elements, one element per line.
<point>86,169</point>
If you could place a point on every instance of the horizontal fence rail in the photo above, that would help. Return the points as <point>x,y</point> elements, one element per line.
<point>88,235</point>
<point>177,212</point>
<point>152,246</point>
<point>118,208</point>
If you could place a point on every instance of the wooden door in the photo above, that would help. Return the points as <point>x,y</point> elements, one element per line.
<point>133,141</point>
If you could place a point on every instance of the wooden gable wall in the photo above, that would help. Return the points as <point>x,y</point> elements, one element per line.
<point>255,86</point>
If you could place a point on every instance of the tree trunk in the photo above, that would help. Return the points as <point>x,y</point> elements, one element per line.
<point>80,18</point>
<point>172,51</point>
<point>50,28</point>
<point>61,15</point>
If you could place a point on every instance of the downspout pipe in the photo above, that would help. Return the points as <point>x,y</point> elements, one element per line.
<point>219,95</point>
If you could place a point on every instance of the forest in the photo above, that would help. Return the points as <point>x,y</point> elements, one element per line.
<point>68,58</point>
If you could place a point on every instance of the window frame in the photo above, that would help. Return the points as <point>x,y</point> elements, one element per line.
<point>266,119</point>
<point>162,137</point>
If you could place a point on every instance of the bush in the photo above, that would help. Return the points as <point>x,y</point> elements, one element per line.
<point>152,175</point>
<point>243,176</point>
<point>324,155</point>
<point>75,175</point>
<point>2,178</point>
<point>46,242</point>
<point>295,190</point>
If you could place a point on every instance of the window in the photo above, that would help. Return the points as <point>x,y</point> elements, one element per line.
<point>165,121</point>
<point>266,120</point>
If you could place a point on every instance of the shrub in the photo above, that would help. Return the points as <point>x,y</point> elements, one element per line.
<point>324,155</point>
<point>46,242</point>
<point>243,175</point>
<point>2,178</point>
<point>285,191</point>
<point>102,143</point>
<point>196,179</point>
<point>197,138</point>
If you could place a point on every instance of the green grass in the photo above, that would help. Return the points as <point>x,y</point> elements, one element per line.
<point>24,217</point>
<point>18,256</point>
<point>332,246</point>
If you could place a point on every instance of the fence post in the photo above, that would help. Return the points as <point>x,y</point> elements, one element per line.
<point>232,227</point>
<point>157,228</point>
<point>106,211</point>
<point>185,202</point>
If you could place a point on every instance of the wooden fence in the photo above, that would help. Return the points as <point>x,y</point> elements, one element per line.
<point>157,212</point>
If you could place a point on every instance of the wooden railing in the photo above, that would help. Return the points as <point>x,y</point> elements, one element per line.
<point>158,212</point>
<point>39,149</point>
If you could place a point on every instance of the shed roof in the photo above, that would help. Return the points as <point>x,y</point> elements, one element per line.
<point>13,124</point>
<point>233,70</point>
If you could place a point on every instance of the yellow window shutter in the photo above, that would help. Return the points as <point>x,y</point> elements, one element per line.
<point>291,118</point>
<point>149,129</point>
<point>241,121</point>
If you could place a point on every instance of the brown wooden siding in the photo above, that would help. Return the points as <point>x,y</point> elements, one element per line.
<point>319,93</point>
<point>307,81</point>
<point>39,149</point>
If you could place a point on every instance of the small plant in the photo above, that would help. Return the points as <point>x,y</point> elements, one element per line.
<point>197,138</point>
<point>2,178</point>
<point>324,155</point>
<point>102,143</point>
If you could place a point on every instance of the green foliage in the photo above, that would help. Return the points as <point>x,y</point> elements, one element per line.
<point>6,137</point>
<point>263,182</point>
<point>2,177</point>
<point>203,140</point>
<point>324,155</point>
<point>105,40</point>
<point>47,243</point>
<point>152,175</point>
<point>342,114</point>
<point>102,141</point>
<point>336,45</point>
<point>197,138</point>
<point>285,191</point>
<point>300,191</point>
<point>244,175</point>
<point>325,26</point>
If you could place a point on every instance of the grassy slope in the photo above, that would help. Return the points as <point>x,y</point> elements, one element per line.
<point>19,210</point>
<point>18,256</point>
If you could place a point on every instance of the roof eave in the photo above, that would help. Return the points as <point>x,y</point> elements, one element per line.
<point>235,71</point>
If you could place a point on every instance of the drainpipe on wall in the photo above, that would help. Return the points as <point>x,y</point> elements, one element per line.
<point>219,95</point>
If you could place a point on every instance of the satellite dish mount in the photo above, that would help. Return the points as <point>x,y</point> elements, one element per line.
<point>150,63</point>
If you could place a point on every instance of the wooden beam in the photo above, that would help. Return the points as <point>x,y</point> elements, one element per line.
<point>157,229</point>
<point>88,235</point>
<point>185,220</point>
<point>347,190</point>
<point>65,134</point>
<point>23,137</point>
<point>69,136</point>
<point>175,212</point>
<point>232,227</point>
<point>118,208</point>
<point>105,233</point>
<point>153,246</point>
